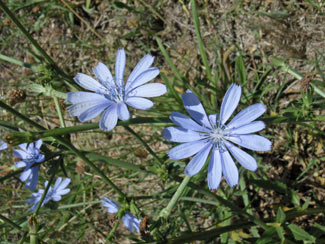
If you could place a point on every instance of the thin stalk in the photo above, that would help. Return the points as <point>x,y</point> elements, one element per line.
<point>17,62</point>
<point>47,188</point>
<point>8,221</point>
<point>112,232</point>
<point>169,61</point>
<point>143,143</point>
<point>200,42</point>
<point>36,45</point>
<point>67,145</point>
<point>94,167</point>
<point>28,136</point>
<point>58,109</point>
<point>166,211</point>
<point>19,115</point>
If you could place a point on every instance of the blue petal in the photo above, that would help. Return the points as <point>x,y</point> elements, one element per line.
<point>247,115</point>
<point>109,118</point>
<point>23,146</point>
<point>246,160</point>
<point>79,108</point>
<point>20,164</point>
<point>57,183</point>
<point>248,128</point>
<point>252,142</point>
<point>92,112</point>
<point>131,222</point>
<point>149,90</point>
<point>213,118</point>
<point>3,145</point>
<point>197,162</point>
<point>40,158</point>
<point>214,170</point>
<point>20,154</point>
<point>122,111</point>
<point>141,66</point>
<point>88,82</point>
<point>112,206</point>
<point>187,149</point>
<point>143,78</point>
<point>32,180</point>
<point>194,107</point>
<point>187,123</point>
<point>25,175</point>
<point>179,134</point>
<point>103,74</point>
<point>229,168</point>
<point>38,143</point>
<point>80,97</point>
<point>229,102</point>
<point>119,67</point>
<point>139,103</point>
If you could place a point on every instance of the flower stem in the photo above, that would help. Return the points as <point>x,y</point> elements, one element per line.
<point>29,136</point>
<point>58,109</point>
<point>166,211</point>
<point>143,143</point>
<point>49,60</point>
<point>94,167</point>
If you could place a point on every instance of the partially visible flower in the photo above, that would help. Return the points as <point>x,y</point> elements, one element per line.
<point>3,145</point>
<point>111,95</point>
<point>30,155</point>
<point>212,134</point>
<point>54,193</point>
<point>129,220</point>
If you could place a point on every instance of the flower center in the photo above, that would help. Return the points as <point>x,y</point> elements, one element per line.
<point>217,135</point>
<point>32,156</point>
<point>114,92</point>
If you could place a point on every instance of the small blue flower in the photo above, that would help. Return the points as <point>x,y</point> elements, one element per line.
<point>212,134</point>
<point>129,220</point>
<point>54,193</point>
<point>30,155</point>
<point>3,145</point>
<point>112,95</point>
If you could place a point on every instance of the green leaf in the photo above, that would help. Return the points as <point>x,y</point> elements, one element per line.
<point>299,234</point>
<point>280,216</point>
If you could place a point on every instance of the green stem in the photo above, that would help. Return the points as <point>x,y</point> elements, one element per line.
<point>58,109</point>
<point>47,188</point>
<point>17,62</point>
<point>200,42</point>
<point>28,136</point>
<point>46,91</point>
<point>33,229</point>
<point>19,115</point>
<point>8,221</point>
<point>112,232</point>
<point>67,145</point>
<point>36,45</point>
<point>166,211</point>
<point>143,143</point>
<point>94,167</point>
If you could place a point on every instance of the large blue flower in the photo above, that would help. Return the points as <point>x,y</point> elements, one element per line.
<point>129,220</point>
<point>30,155</point>
<point>212,134</point>
<point>112,95</point>
<point>54,193</point>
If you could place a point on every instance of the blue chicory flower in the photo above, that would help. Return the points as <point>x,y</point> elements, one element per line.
<point>129,220</point>
<point>54,193</point>
<point>112,95</point>
<point>212,134</point>
<point>30,155</point>
<point>3,145</point>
